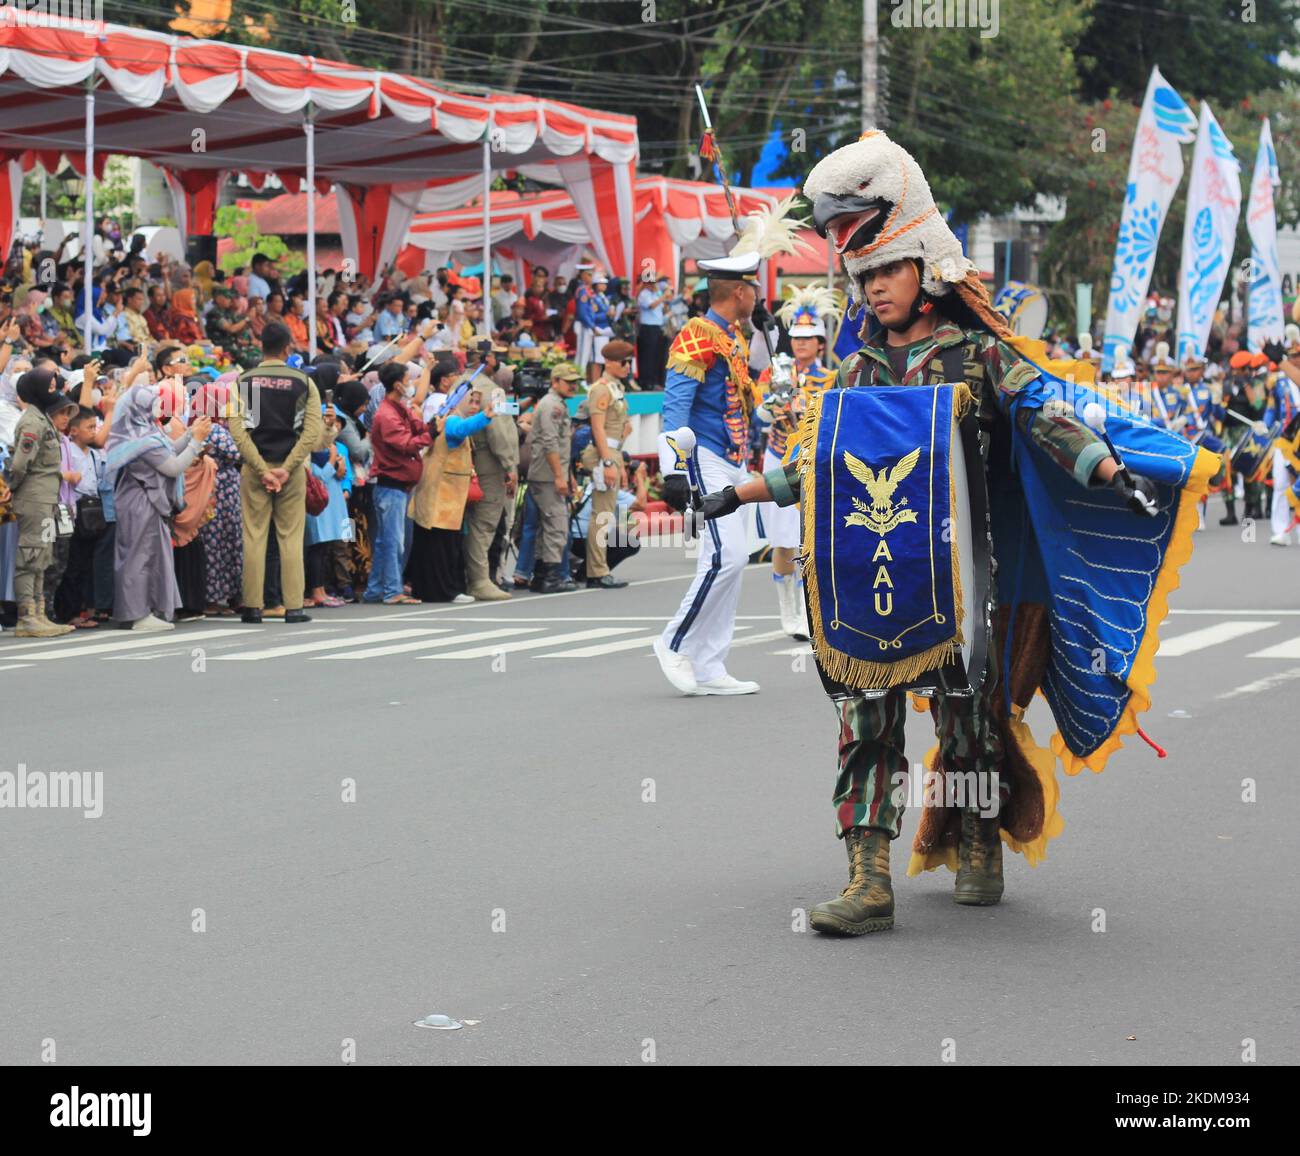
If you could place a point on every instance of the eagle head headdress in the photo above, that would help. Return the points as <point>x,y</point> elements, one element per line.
<point>873,203</point>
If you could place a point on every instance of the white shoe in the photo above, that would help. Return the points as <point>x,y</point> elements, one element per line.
<point>676,667</point>
<point>149,623</point>
<point>462,599</point>
<point>787,600</point>
<point>1281,539</point>
<point>726,685</point>
<point>1200,514</point>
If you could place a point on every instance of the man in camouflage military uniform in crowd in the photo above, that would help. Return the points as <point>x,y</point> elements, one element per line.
<point>230,331</point>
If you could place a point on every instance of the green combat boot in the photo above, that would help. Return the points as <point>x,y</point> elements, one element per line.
<point>979,861</point>
<point>867,903</point>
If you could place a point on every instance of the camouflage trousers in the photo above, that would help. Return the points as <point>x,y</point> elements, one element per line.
<point>874,781</point>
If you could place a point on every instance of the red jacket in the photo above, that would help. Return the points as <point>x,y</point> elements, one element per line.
<point>396,438</point>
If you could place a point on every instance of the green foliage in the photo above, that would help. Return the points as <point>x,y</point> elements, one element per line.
<point>994,121</point>
<point>114,195</point>
<point>240,226</point>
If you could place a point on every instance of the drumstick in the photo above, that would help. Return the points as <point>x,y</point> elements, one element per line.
<point>1094,416</point>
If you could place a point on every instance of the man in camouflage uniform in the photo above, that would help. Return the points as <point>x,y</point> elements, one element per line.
<point>929,335</point>
<point>230,331</point>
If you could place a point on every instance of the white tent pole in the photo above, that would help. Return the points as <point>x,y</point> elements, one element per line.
<point>486,322</point>
<point>309,128</point>
<point>42,196</point>
<point>87,241</point>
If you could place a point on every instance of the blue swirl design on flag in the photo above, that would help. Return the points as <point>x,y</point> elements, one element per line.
<point>1135,253</point>
<point>1173,117</point>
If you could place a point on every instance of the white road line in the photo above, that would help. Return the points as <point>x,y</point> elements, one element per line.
<point>16,666</point>
<point>609,647</point>
<point>478,618</point>
<point>604,648</point>
<point>126,644</point>
<point>792,651</point>
<point>1208,636</point>
<point>529,644</point>
<point>753,639</point>
<point>425,644</point>
<point>1263,683</point>
<point>327,644</point>
<point>1288,649</point>
<point>1231,613</point>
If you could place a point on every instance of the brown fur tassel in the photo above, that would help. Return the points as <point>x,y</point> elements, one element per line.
<point>976,298</point>
<point>1022,816</point>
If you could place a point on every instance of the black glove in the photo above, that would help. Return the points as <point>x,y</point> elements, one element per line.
<point>761,318</point>
<point>677,491</point>
<point>721,504</point>
<point>1275,352</point>
<point>1140,497</point>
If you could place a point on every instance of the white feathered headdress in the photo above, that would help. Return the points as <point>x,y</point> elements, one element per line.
<point>770,231</point>
<point>811,309</point>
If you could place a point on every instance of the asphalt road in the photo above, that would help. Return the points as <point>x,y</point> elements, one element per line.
<point>500,862</point>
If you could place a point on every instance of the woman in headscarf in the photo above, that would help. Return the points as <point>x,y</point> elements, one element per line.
<point>148,491</point>
<point>223,535</point>
<point>326,531</point>
<point>256,317</point>
<point>183,321</point>
<point>351,400</point>
<point>204,276</point>
<point>188,553</point>
<point>436,566</point>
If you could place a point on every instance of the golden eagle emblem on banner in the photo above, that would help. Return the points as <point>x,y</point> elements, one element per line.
<point>879,514</point>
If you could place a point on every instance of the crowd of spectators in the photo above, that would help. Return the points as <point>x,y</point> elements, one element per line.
<point>201,459</point>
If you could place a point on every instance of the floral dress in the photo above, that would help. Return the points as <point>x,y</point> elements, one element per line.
<point>223,536</point>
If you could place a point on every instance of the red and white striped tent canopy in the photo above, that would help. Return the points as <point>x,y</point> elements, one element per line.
<point>390,144</point>
<point>674,219</point>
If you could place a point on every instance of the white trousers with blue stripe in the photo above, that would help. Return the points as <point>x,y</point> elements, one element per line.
<point>704,624</point>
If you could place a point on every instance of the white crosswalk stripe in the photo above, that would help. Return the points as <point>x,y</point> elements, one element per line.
<point>1207,636</point>
<point>328,644</point>
<point>425,644</point>
<point>456,639</point>
<point>609,647</point>
<point>158,640</point>
<point>1288,649</point>
<point>528,644</point>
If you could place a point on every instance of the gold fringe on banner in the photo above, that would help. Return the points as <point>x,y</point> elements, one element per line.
<point>838,666</point>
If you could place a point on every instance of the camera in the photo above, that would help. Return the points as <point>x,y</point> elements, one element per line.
<point>532,381</point>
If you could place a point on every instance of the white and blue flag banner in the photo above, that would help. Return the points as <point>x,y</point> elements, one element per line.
<point>1154,172</point>
<point>1213,208</point>
<point>1264,307</point>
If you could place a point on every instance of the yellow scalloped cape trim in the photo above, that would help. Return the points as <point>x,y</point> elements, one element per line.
<point>1142,674</point>
<point>1034,850</point>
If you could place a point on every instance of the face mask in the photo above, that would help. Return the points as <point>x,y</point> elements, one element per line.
<point>96,396</point>
<point>409,391</point>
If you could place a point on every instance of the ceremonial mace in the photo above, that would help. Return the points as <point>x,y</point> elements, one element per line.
<point>684,441</point>
<point>711,152</point>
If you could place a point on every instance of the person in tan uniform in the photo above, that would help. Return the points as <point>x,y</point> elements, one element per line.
<point>35,474</point>
<point>606,408</point>
<point>496,461</point>
<point>550,476</point>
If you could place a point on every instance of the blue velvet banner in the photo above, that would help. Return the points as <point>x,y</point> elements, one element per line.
<point>882,570</point>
